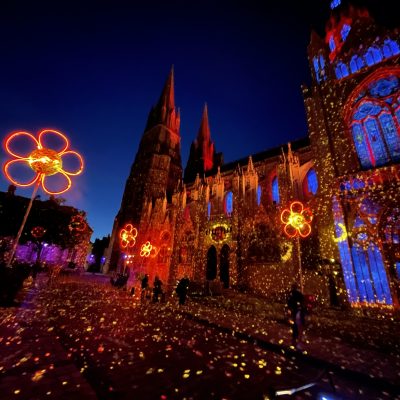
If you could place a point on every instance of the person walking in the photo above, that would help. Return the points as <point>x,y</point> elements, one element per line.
<point>145,287</point>
<point>157,289</point>
<point>296,306</point>
<point>182,289</point>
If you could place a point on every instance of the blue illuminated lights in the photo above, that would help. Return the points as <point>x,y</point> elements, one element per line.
<point>229,203</point>
<point>374,127</point>
<point>312,181</point>
<point>373,55</point>
<point>275,190</point>
<point>209,210</point>
<point>259,193</point>
<point>345,31</point>
<point>363,267</point>
<point>335,3</point>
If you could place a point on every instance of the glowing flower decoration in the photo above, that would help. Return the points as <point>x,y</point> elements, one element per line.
<point>127,236</point>
<point>146,249</point>
<point>77,224</point>
<point>43,161</point>
<point>297,220</point>
<point>38,232</point>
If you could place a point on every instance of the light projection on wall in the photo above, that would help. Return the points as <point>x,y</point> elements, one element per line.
<point>259,193</point>
<point>127,236</point>
<point>275,190</point>
<point>363,267</point>
<point>229,203</point>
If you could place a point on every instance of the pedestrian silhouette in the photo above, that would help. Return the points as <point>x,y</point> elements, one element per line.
<point>296,307</point>
<point>182,289</point>
<point>157,289</point>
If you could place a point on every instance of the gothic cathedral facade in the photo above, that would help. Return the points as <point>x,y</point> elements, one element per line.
<point>220,223</point>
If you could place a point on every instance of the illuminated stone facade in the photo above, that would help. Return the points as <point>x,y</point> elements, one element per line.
<point>221,226</point>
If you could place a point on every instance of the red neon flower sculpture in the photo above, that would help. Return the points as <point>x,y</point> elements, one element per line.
<point>127,236</point>
<point>297,220</point>
<point>42,160</point>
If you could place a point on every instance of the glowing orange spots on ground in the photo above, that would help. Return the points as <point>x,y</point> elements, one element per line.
<point>146,249</point>
<point>297,220</point>
<point>127,236</point>
<point>42,160</point>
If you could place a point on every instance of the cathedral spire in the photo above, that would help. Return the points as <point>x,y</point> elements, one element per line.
<point>165,113</point>
<point>204,143</point>
<point>167,98</point>
<point>204,135</point>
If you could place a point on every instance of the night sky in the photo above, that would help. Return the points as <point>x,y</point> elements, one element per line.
<point>94,69</point>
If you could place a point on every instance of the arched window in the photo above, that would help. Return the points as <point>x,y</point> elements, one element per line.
<point>356,64</point>
<point>369,58</point>
<point>375,134</point>
<point>341,70</point>
<point>209,210</point>
<point>345,31</point>
<point>259,193</point>
<point>394,46</point>
<point>338,72</point>
<point>344,69</point>
<point>311,181</point>
<point>275,190</point>
<point>229,203</point>
<point>387,51</point>
<point>373,56</point>
<point>332,43</point>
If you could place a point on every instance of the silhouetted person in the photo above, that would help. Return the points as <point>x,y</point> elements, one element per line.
<point>145,286</point>
<point>296,307</point>
<point>182,289</point>
<point>157,289</point>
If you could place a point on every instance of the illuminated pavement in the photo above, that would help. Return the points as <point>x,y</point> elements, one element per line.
<point>80,338</point>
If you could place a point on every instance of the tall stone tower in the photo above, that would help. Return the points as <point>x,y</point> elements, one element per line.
<point>202,157</point>
<point>157,169</point>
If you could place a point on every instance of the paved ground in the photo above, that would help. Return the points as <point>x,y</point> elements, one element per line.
<point>80,338</point>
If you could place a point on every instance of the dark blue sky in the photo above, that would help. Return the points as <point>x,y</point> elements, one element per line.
<point>94,69</point>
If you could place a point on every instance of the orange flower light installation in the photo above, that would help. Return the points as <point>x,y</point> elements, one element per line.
<point>127,236</point>
<point>146,249</point>
<point>42,160</point>
<point>297,220</point>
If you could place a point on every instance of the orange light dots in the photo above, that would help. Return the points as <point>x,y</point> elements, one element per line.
<point>297,220</point>
<point>146,249</point>
<point>127,236</point>
<point>42,160</point>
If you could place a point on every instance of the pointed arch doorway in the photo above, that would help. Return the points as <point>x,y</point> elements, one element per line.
<point>211,270</point>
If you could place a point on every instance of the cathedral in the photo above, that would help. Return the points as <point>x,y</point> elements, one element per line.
<point>222,224</point>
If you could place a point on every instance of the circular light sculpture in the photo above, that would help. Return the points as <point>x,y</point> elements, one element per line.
<point>38,232</point>
<point>343,234</point>
<point>297,220</point>
<point>146,249</point>
<point>127,236</point>
<point>42,160</point>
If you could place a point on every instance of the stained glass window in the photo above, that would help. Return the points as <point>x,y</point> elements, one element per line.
<point>229,203</point>
<point>387,51</point>
<point>376,142</point>
<point>391,135</point>
<point>338,72</point>
<point>345,31</point>
<point>209,210</point>
<point>259,192</point>
<point>312,181</point>
<point>369,58</point>
<point>316,68</point>
<point>361,146</point>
